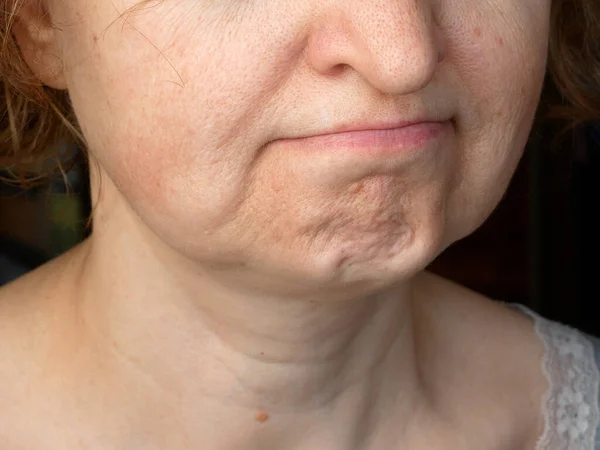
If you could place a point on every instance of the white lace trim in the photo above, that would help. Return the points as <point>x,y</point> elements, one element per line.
<point>570,405</point>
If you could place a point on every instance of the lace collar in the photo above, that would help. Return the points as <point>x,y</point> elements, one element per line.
<point>571,404</point>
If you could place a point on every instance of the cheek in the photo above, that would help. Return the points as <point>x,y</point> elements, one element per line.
<point>500,56</point>
<point>500,60</point>
<point>173,120</point>
<point>145,114</point>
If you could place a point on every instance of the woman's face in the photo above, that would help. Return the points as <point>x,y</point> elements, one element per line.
<point>194,110</point>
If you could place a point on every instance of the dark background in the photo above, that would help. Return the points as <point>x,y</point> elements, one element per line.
<point>539,247</point>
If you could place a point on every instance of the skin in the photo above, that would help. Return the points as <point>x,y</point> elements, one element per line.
<point>238,292</point>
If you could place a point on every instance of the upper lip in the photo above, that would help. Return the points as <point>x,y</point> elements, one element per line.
<point>354,126</point>
<point>384,125</point>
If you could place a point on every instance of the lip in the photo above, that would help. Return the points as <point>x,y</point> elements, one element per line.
<point>374,139</point>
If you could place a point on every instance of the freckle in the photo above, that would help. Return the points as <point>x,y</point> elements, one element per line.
<point>262,416</point>
<point>500,41</point>
<point>477,32</point>
<point>358,188</point>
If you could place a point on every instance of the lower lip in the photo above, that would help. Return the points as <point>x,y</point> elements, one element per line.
<point>410,138</point>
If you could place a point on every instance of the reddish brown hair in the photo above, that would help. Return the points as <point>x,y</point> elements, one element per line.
<point>39,132</point>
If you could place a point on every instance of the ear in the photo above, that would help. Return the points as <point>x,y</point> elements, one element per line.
<point>36,36</point>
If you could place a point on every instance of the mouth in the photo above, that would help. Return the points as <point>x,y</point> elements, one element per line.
<point>374,140</point>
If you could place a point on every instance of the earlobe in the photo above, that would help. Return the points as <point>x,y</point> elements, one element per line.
<point>36,36</point>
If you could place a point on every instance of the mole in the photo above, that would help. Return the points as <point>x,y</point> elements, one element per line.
<point>261,416</point>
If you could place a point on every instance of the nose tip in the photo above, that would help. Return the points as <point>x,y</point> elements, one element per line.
<point>394,45</point>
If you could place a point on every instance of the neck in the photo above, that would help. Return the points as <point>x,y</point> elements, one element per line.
<point>269,366</point>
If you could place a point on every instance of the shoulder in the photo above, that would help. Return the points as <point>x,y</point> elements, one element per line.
<point>21,348</point>
<point>495,355</point>
<point>30,311</point>
<point>572,403</point>
<point>560,364</point>
<point>494,326</point>
<point>31,299</point>
<point>18,363</point>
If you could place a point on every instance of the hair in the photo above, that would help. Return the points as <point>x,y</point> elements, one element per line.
<point>39,133</point>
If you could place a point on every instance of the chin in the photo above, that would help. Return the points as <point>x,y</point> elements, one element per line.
<point>400,263</point>
<point>357,268</point>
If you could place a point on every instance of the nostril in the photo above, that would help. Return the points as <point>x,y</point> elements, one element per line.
<point>339,69</point>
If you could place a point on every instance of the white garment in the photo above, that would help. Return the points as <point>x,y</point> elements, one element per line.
<point>571,404</point>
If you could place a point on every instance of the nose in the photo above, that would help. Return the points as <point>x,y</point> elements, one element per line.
<point>393,44</point>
